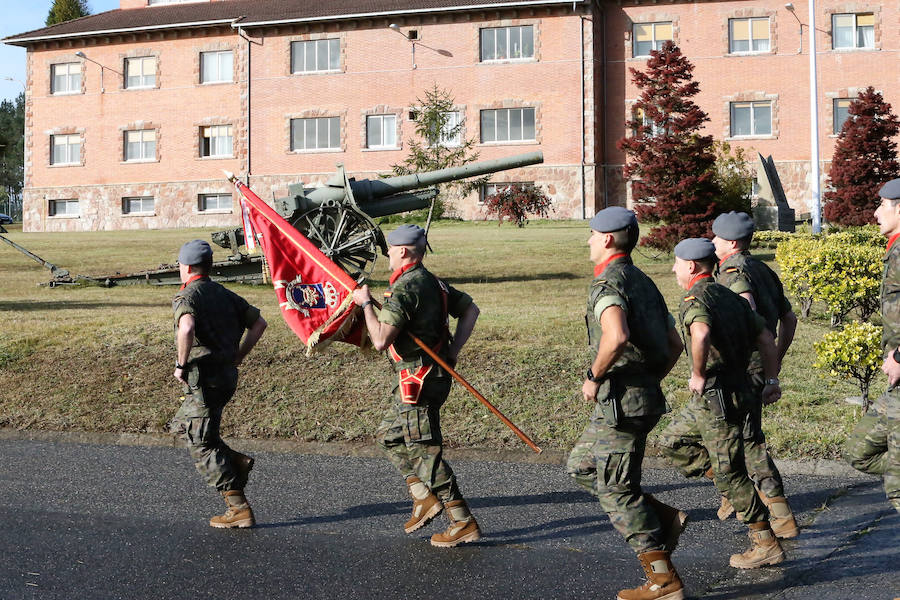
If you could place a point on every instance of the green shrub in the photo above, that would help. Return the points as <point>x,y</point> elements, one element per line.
<point>852,353</point>
<point>798,258</point>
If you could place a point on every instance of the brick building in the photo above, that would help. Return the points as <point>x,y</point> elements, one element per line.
<point>132,114</point>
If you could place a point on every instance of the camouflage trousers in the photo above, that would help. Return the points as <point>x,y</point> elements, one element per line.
<point>410,435</point>
<point>874,447</point>
<point>606,461</point>
<point>197,422</point>
<point>695,441</point>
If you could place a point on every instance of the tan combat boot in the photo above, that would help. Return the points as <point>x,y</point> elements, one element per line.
<point>764,549</point>
<point>239,513</point>
<point>780,516</point>
<point>426,505</point>
<point>673,521</point>
<point>463,526</point>
<point>242,465</point>
<point>662,582</point>
<point>725,507</point>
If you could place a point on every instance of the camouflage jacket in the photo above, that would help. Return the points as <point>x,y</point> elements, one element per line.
<point>890,312</point>
<point>636,372</point>
<point>415,303</point>
<point>734,328</point>
<point>741,273</point>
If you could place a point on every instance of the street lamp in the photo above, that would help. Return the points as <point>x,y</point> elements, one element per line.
<point>81,54</point>
<point>411,39</point>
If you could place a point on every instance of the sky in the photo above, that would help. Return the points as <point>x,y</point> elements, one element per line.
<point>21,16</point>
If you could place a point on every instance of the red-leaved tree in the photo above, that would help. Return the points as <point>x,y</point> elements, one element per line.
<point>515,202</point>
<point>670,164</point>
<point>865,157</point>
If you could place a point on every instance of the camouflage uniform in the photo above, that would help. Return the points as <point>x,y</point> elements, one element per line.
<point>220,318</point>
<point>734,328</point>
<point>606,459</point>
<point>418,303</point>
<point>874,445</point>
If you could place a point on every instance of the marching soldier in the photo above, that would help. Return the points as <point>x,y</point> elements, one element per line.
<point>635,345</point>
<point>874,445</point>
<point>209,324</point>
<point>417,303</point>
<point>720,331</point>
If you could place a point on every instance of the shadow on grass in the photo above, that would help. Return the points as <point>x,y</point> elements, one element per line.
<point>30,306</point>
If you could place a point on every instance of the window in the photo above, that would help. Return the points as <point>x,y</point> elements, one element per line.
<point>65,149</point>
<point>503,43</point>
<point>140,145</point>
<point>381,131</point>
<point>216,141</point>
<point>507,125</point>
<point>748,35</point>
<point>316,55</point>
<point>67,208</point>
<point>641,116</point>
<point>214,202</point>
<point>65,78</point>
<point>140,72</point>
<point>451,131</point>
<point>216,67</point>
<point>489,189</point>
<point>316,134</point>
<point>853,31</point>
<point>751,118</point>
<point>841,113</point>
<point>650,36</point>
<point>139,205</point>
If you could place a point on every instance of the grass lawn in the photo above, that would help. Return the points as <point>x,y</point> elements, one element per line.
<point>101,359</point>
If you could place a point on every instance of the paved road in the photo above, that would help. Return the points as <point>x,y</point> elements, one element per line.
<point>83,521</point>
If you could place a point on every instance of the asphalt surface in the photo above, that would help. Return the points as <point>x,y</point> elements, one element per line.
<point>91,521</point>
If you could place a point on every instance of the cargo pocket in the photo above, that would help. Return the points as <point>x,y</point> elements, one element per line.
<point>617,469</point>
<point>416,423</point>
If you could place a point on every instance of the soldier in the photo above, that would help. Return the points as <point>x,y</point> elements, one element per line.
<point>209,324</point>
<point>874,445</point>
<point>418,304</point>
<point>720,331</point>
<point>635,345</point>
<point>753,280</point>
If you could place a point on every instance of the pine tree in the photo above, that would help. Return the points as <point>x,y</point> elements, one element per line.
<point>670,164</point>
<point>865,157</point>
<point>66,10</point>
<point>12,153</point>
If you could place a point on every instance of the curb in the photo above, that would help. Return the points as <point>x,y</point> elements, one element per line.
<point>366,449</point>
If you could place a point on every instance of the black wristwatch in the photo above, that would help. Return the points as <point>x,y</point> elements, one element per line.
<point>590,376</point>
<point>896,355</point>
<point>178,365</point>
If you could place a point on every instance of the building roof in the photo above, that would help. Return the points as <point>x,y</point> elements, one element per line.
<point>251,13</point>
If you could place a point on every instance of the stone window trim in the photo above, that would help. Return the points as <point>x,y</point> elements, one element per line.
<point>750,13</point>
<point>315,113</point>
<point>209,121</point>
<point>80,131</point>
<point>62,60</point>
<point>140,126</point>
<point>649,17</point>
<point>139,53</point>
<point>381,109</point>
<point>855,8</point>
<point>500,104</point>
<point>236,65</point>
<point>310,37</point>
<point>850,93</point>
<point>755,96</point>
<point>494,23</point>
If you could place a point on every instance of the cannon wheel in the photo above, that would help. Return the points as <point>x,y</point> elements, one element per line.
<point>344,236</point>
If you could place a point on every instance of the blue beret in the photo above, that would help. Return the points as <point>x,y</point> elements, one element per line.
<point>733,226</point>
<point>890,190</point>
<point>613,218</point>
<point>695,249</point>
<point>195,252</point>
<point>406,235</point>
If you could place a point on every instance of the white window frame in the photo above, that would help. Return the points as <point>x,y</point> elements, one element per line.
<point>72,141</point>
<point>331,48</point>
<point>221,141</point>
<point>386,125</point>
<point>314,126</point>
<point>655,44</point>
<point>453,120</point>
<point>510,115</point>
<point>71,208</point>
<point>144,139</point>
<point>203,202</point>
<point>490,188</point>
<point>855,31</point>
<point>72,79</point>
<point>751,40</point>
<point>753,105</point>
<point>142,202</point>
<point>655,130</point>
<point>512,38</point>
<point>836,109</point>
<point>144,76</point>
<point>217,57</point>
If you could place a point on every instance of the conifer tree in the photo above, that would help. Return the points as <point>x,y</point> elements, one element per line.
<point>66,10</point>
<point>671,165</point>
<point>865,157</point>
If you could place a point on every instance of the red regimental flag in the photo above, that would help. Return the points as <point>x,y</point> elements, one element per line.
<point>315,295</point>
